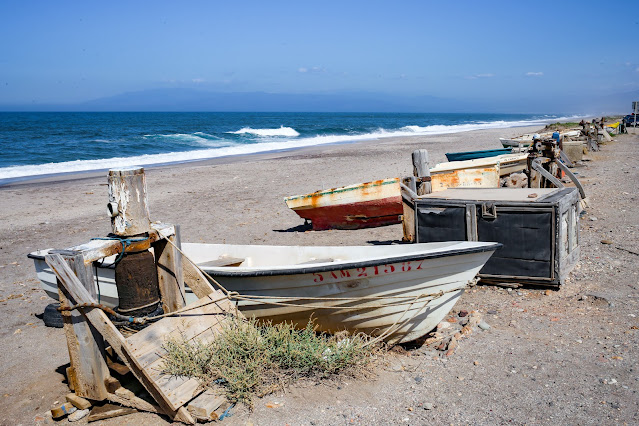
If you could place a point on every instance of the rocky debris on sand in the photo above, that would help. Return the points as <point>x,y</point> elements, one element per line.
<point>483,325</point>
<point>448,333</point>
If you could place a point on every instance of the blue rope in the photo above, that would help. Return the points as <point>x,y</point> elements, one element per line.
<point>227,412</point>
<point>125,243</point>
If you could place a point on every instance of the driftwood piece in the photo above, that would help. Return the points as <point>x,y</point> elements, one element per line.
<point>108,411</point>
<point>78,402</point>
<point>105,327</point>
<point>128,203</point>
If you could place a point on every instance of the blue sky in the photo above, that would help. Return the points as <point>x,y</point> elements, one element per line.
<point>64,52</point>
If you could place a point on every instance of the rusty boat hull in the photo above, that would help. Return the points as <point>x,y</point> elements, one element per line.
<point>363,205</point>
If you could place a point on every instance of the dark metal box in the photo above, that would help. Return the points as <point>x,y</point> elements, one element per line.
<point>538,227</point>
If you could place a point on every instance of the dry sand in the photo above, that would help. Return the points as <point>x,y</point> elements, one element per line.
<point>560,358</point>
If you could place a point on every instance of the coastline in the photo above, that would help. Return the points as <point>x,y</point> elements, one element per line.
<point>280,153</point>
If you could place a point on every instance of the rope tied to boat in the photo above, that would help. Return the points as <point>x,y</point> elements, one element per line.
<point>126,242</point>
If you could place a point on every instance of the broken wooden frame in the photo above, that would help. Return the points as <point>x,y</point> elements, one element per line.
<point>141,352</point>
<point>86,329</point>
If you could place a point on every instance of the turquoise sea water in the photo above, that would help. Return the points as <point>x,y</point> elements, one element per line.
<point>37,144</point>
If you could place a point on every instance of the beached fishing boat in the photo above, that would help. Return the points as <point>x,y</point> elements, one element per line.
<point>400,292</point>
<point>526,140</point>
<point>473,155</point>
<point>520,141</point>
<point>478,173</point>
<point>363,205</point>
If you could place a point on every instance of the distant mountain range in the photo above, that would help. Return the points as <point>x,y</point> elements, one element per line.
<point>189,100</point>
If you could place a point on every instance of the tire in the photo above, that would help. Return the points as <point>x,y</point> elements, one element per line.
<point>52,317</point>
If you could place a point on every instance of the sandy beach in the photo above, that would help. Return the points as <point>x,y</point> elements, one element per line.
<point>563,357</point>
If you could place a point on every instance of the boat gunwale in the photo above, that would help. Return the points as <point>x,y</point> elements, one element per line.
<point>333,266</point>
<point>327,267</point>
<point>341,189</point>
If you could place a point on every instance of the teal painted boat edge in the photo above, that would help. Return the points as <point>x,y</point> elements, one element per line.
<point>473,155</point>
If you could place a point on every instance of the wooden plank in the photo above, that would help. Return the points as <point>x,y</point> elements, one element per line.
<point>99,249</point>
<point>146,344</point>
<point>86,346</point>
<point>78,402</point>
<point>203,323</point>
<point>196,281</point>
<point>101,322</point>
<point>170,278</point>
<point>130,400</point>
<point>108,411</point>
<point>112,384</point>
<point>203,407</point>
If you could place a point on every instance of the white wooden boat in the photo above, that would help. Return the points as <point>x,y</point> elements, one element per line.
<point>399,291</point>
<point>526,140</point>
<point>477,173</point>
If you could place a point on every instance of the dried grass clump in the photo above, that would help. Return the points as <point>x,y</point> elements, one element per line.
<point>250,359</point>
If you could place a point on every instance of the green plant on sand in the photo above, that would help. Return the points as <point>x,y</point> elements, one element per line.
<point>250,359</point>
<point>560,126</point>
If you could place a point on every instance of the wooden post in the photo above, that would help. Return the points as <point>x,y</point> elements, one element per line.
<point>421,171</point>
<point>128,204</point>
<point>86,346</point>
<point>170,276</point>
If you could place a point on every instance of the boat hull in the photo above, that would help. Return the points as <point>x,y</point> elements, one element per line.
<point>399,292</point>
<point>357,215</point>
<point>365,205</point>
<point>414,315</point>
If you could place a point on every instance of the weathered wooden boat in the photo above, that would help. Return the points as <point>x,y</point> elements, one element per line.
<point>363,205</point>
<point>473,155</point>
<point>399,292</point>
<point>478,173</point>
<point>527,139</point>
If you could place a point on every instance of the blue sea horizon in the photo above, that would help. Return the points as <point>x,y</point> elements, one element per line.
<point>37,144</point>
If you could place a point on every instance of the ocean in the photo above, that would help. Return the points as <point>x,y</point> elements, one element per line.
<point>38,144</point>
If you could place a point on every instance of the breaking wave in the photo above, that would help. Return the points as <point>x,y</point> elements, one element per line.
<point>282,131</point>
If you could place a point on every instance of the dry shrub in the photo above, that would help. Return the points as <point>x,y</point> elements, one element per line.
<point>250,359</point>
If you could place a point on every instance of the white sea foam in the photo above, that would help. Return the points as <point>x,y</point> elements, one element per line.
<point>15,172</point>
<point>282,131</point>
